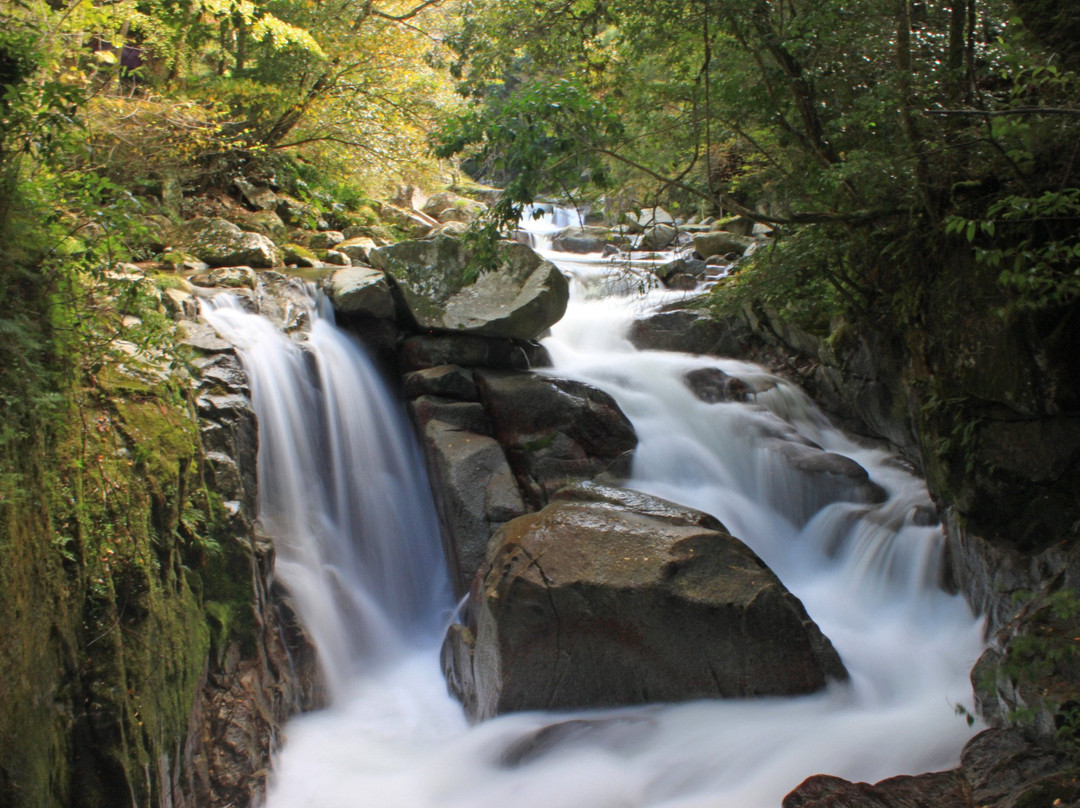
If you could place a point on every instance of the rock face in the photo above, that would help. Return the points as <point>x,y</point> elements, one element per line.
<point>445,289</point>
<point>555,431</point>
<point>222,244</point>
<point>998,769</point>
<point>608,597</point>
<point>499,443</point>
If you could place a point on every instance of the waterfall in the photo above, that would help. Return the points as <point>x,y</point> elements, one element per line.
<point>867,573</point>
<point>342,491</point>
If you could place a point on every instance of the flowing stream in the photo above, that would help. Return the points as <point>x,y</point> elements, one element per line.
<point>343,491</point>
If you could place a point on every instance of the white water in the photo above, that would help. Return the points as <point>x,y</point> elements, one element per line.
<point>866,575</point>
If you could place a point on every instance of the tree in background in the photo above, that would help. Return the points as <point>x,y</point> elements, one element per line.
<point>868,133</point>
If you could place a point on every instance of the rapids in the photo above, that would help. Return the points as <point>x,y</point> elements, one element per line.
<point>336,462</point>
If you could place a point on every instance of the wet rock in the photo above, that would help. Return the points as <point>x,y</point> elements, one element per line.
<point>476,492</point>
<point>687,332</point>
<point>833,478</point>
<point>712,385</point>
<point>998,769</point>
<point>589,604</point>
<point>583,240</point>
<point>555,431</point>
<point>445,287</point>
<point>360,290</point>
<point>450,381</point>
<point>939,790</point>
<point>597,733</point>
<point>431,351</point>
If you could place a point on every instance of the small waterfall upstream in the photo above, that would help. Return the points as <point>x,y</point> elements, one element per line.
<point>343,491</point>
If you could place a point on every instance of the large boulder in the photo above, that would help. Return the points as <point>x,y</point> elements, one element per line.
<point>222,244</point>
<point>361,290</point>
<point>555,431</point>
<point>688,332</point>
<point>658,237</point>
<point>446,288</point>
<point>609,597</point>
<point>409,221</point>
<point>583,240</point>
<point>449,207</point>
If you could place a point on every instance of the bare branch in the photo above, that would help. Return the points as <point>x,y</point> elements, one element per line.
<point>997,113</point>
<point>408,15</point>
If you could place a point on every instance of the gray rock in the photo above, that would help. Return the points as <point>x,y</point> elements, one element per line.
<point>200,335</point>
<point>739,225</point>
<point>297,255</point>
<point>449,207</point>
<point>357,248</point>
<point>233,278</point>
<point>658,237</point>
<point>449,381</point>
<point>222,244</point>
<point>687,332</point>
<point>360,290</point>
<point>265,222</point>
<point>584,239</point>
<point>444,287</point>
<point>712,385</point>
<point>591,604</point>
<point>555,431</point>
<point>326,240</point>
<point>335,258</point>
<point>420,352</point>
<point>836,479</point>
<point>299,214</point>
<point>412,222</point>
<point>476,493</point>
<point>259,197</point>
<point>720,242</point>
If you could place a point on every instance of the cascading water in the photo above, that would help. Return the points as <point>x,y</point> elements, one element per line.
<point>867,575</point>
<point>341,490</point>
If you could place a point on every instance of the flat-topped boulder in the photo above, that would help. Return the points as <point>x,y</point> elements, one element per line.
<point>609,597</point>
<point>446,287</point>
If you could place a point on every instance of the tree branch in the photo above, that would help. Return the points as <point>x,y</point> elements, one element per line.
<point>996,113</point>
<point>814,217</point>
<point>408,15</point>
